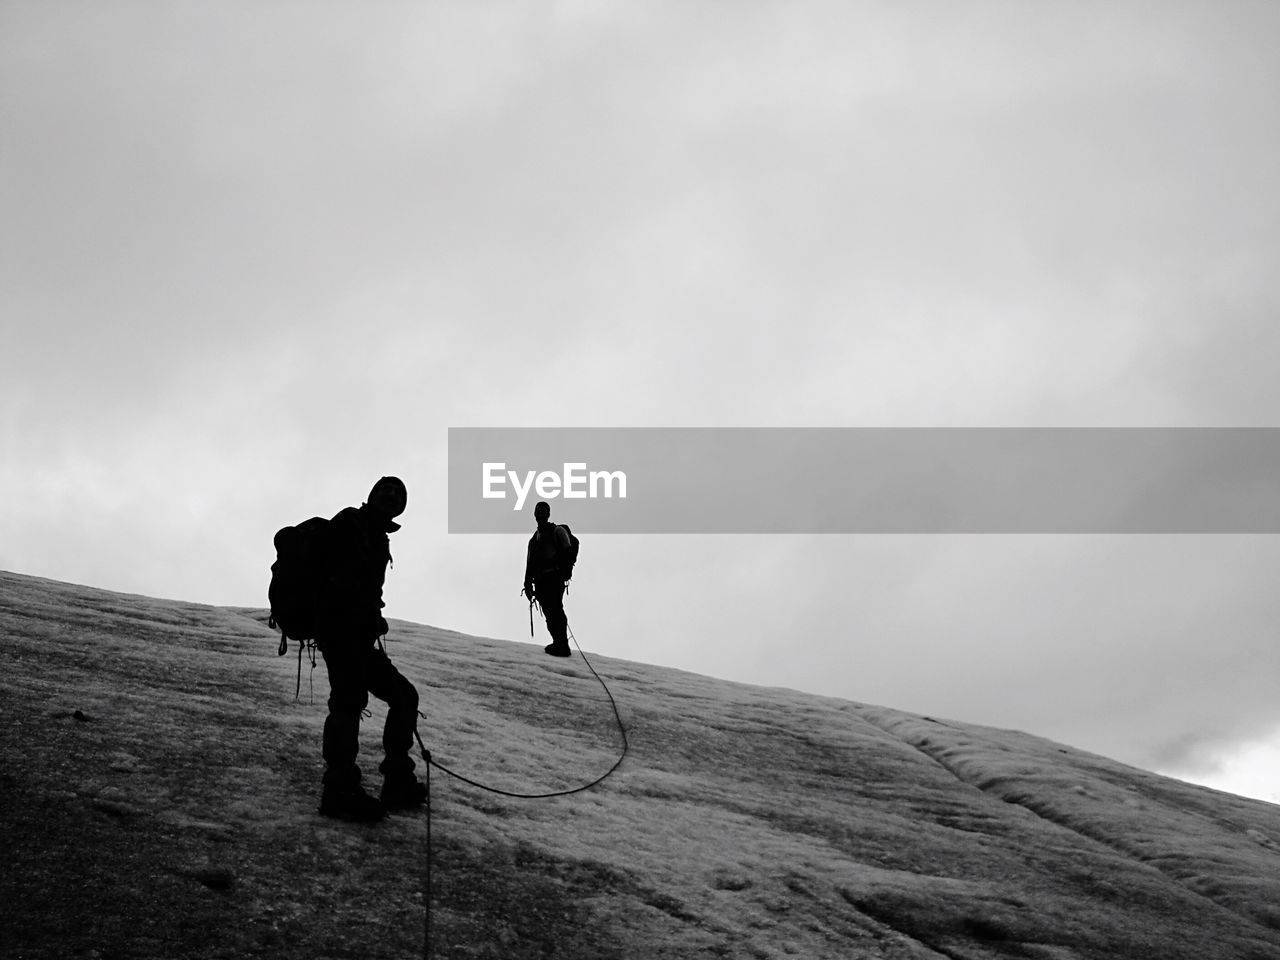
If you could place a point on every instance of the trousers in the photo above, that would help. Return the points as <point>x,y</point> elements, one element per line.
<point>550,594</point>
<point>356,670</point>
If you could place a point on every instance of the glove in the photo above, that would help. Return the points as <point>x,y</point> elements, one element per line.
<point>528,591</point>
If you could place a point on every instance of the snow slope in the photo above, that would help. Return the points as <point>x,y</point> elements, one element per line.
<point>159,785</point>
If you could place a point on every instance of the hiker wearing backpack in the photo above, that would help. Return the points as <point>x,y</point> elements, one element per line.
<point>548,565</point>
<point>348,633</point>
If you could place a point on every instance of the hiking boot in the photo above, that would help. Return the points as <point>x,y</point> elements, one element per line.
<point>558,649</point>
<point>403,793</point>
<point>351,804</point>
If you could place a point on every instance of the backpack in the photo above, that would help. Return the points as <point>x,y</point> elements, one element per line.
<point>567,561</point>
<point>297,581</point>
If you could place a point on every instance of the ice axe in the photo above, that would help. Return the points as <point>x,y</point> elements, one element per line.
<point>532,601</point>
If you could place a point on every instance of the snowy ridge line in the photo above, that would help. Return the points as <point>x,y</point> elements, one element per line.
<point>1014,788</point>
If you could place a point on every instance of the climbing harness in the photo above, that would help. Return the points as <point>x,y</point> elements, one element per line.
<point>310,646</point>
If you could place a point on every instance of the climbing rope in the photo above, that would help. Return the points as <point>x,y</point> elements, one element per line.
<point>426,756</point>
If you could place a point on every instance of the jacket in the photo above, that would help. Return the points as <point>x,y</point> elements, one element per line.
<point>548,549</point>
<point>359,552</point>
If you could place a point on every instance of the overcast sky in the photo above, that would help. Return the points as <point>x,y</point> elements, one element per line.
<point>255,256</point>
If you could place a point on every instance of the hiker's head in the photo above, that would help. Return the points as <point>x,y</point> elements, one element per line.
<point>389,497</point>
<point>542,512</point>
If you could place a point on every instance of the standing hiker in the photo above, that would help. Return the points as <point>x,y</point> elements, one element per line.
<point>547,568</point>
<point>348,635</point>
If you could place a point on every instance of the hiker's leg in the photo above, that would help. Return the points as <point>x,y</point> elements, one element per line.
<point>562,625</point>
<point>551,597</point>
<point>401,697</point>
<point>348,697</point>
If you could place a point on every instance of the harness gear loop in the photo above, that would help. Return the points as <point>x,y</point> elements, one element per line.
<point>310,647</point>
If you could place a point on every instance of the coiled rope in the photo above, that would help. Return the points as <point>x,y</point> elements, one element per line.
<point>426,756</point>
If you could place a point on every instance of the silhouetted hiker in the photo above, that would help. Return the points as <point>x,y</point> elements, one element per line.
<point>548,566</point>
<point>349,638</point>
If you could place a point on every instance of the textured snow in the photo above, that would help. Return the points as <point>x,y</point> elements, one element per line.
<point>745,821</point>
